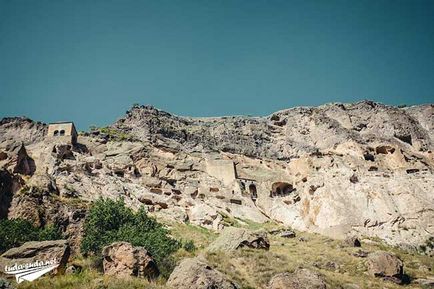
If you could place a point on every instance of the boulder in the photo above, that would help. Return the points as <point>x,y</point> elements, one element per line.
<point>205,216</point>
<point>424,283</point>
<point>63,152</point>
<point>73,269</point>
<point>123,259</point>
<point>352,241</point>
<point>24,164</point>
<point>350,286</point>
<point>385,264</point>
<point>300,279</point>
<point>193,273</point>
<point>233,238</point>
<point>287,234</point>
<point>29,252</point>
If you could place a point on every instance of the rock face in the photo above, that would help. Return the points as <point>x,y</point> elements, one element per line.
<point>25,165</point>
<point>30,252</point>
<point>192,273</point>
<point>352,241</point>
<point>384,264</point>
<point>309,168</point>
<point>233,238</point>
<point>123,259</point>
<point>300,279</point>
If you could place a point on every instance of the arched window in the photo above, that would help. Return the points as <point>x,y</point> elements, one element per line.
<point>62,132</point>
<point>56,133</point>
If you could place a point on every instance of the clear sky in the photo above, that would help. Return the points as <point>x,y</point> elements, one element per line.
<point>89,61</point>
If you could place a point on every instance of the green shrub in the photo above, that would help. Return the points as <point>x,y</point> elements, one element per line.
<point>15,232</point>
<point>110,221</point>
<point>189,246</point>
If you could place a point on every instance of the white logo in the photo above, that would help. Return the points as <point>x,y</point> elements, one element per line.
<point>31,271</point>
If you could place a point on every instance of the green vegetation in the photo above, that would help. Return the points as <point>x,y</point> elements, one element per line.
<point>15,232</point>
<point>110,221</point>
<point>115,134</point>
<point>189,246</point>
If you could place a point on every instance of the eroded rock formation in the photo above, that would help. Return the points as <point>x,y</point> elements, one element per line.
<point>362,169</point>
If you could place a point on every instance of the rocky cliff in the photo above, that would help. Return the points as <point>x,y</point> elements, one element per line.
<point>336,169</point>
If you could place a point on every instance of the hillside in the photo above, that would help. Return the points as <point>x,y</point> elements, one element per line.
<point>332,171</point>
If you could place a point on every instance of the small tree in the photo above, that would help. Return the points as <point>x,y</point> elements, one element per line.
<point>14,233</point>
<point>110,221</point>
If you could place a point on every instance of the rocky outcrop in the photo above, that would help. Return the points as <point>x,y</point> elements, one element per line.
<point>233,238</point>
<point>309,168</point>
<point>385,264</point>
<point>122,259</point>
<point>24,164</point>
<point>300,279</point>
<point>193,273</point>
<point>17,130</point>
<point>30,252</point>
<point>9,184</point>
<point>352,241</point>
<point>39,207</point>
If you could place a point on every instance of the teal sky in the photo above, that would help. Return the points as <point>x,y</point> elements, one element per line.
<point>89,61</point>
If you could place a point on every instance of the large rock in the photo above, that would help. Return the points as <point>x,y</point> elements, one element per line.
<point>123,259</point>
<point>9,184</point>
<point>352,241</point>
<point>205,216</point>
<point>24,164</point>
<point>193,273</point>
<point>385,264</point>
<point>233,238</point>
<point>30,252</point>
<point>300,279</point>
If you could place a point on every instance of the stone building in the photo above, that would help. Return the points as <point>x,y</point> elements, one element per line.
<point>63,132</point>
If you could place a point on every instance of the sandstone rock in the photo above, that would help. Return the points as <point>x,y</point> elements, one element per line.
<point>73,269</point>
<point>361,254</point>
<point>30,252</point>
<point>34,206</point>
<point>425,283</point>
<point>350,286</point>
<point>123,259</point>
<point>384,264</point>
<point>300,279</point>
<point>206,216</point>
<point>352,241</point>
<point>232,238</point>
<point>192,273</point>
<point>24,164</point>
<point>300,146</point>
<point>9,184</point>
<point>287,234</point>
<point>63,152</point>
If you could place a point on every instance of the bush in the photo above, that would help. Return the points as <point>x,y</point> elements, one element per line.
<point>189,246</point>
<point>110,221</point>
<point>14,233</point>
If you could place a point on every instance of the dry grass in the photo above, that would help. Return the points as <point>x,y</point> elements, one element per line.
<point>254,268</point>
